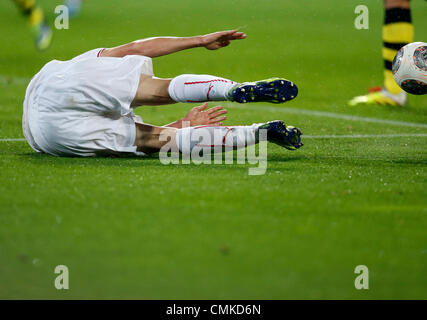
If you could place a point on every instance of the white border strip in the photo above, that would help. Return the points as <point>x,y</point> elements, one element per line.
<point>326,114</point>
<point>362,136</point>
<point>12,139</point>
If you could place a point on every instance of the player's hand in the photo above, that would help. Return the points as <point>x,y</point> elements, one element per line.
<point>200,115</point>
<point>220,39</point>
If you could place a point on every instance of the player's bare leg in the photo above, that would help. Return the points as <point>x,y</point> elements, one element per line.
<point>148,137</point>
<point>152,91</point>
<point>388,4</point>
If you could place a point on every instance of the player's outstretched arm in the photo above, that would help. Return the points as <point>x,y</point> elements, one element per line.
<point>160,46</point>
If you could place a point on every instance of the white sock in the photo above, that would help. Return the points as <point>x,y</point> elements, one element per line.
<point>216,138</point>
<point>199,88</point>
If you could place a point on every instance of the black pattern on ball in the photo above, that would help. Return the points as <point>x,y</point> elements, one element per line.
<point>397,61</point>
<point>420,58</point>
<point>414,87</point>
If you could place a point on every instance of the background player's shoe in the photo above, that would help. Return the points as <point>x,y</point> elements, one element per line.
<point>74,7</point>
<point>274,90</point>
<point>285,136</point>
<point>382,97</point>
<point>43,35</point>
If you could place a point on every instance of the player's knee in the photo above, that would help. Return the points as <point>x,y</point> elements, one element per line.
<point>396,4</point>
<point>161,89</point>
<point>152,91</point>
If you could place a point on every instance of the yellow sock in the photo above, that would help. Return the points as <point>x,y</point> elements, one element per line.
<point>29,8</point>
<point>25,5</point>
<point>397,32</point>
<point>36,16</point>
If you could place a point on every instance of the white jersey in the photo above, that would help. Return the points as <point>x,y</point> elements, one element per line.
<point>82,106</point>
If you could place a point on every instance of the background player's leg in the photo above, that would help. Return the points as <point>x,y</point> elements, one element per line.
<point>74,7</point>
<point>397,32</point>
<point>38,22</point>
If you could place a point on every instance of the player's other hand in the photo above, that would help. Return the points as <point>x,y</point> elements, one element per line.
<point>199,116</point>
<point>220,39</point>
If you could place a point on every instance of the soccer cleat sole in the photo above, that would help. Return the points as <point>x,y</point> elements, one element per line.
<point>285,136</point>
<point>295,138</point>
<point>274,90</point>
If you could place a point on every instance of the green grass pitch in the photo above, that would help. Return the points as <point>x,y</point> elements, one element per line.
<point>134,228</point>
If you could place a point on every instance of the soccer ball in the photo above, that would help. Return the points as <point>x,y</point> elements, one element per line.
<point>410,68</point>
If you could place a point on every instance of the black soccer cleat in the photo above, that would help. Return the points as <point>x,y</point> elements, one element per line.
<point>275,90</point>
<point>285,136</point>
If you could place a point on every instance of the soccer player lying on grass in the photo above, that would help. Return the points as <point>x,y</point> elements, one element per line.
<point>84,106</point>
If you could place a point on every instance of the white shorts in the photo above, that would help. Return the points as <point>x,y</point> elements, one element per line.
<point>81,107</point>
